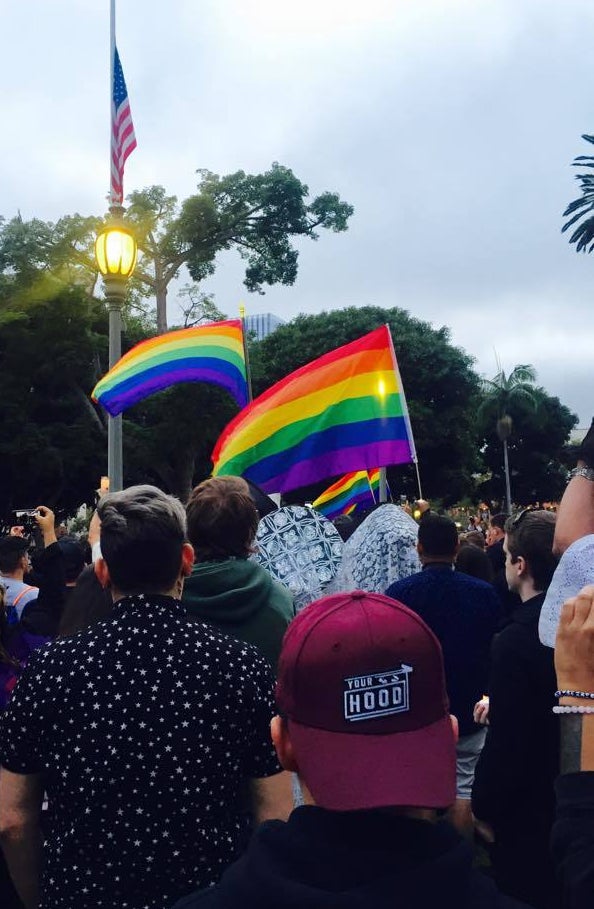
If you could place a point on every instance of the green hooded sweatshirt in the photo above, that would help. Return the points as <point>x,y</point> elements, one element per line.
<point>241,599</point>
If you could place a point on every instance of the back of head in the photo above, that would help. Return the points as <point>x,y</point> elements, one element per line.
<point>362,687</point>
<point>475,562</point>
<point>87,604</point>
<point>142,534</point>
<point>499,520</point>
<point>222,519</point>
<point>74,557</point>
<point>530,535</point>
<point>475,538</point>
<point>12,550</point>
<point>438,537</point>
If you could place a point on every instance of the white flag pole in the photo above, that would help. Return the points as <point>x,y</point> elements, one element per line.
<point>406,416</point>
<point>112,44</point>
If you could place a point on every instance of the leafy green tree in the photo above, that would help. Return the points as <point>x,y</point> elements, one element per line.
<point>581,210</point>
<point>538,450</point>
<point>29,250</point>
<point>500,393</point>
<point>441,387</point>
<point>258,215</point>
<point>52,442</point>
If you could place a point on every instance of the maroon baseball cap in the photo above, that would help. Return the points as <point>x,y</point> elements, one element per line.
<point>361,683</point>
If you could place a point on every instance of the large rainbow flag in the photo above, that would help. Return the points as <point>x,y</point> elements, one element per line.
<point>345,411</point>
<point>355,488</point>
<point>208,353</point>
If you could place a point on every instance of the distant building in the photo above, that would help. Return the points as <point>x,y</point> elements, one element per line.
<point>262,324</point>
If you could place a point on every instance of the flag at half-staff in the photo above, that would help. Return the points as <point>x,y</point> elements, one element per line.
<point>343,412</point>
<point>123,138</point>
<point>360,487</point>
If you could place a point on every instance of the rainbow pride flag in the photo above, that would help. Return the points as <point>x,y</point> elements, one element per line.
<point>208,353</point>
<point>356,488</point>
<point>343,412</point>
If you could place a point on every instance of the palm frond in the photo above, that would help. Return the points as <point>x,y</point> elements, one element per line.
<point>522,374</point>
<point>582,208</point>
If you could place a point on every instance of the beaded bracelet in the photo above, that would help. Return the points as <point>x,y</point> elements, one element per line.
<point>574,694</point>
<point>573,709</point>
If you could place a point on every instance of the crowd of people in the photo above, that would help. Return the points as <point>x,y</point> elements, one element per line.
<point>172,734</point>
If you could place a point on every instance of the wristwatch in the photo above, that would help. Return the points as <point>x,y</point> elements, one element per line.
<point>586,472</point>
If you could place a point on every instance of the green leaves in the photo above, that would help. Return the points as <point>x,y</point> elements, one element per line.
<point>583,235</point>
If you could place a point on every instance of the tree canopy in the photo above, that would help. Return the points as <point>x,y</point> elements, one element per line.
<point>536,450</point>
<point>259,215</point>
<point>256,214</point>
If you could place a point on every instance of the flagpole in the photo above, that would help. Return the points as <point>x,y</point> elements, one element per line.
<point>406,416</point>
<point>383,486</point>
<point>115,468</point>
<point>112,44</point>
<point>248,371</point>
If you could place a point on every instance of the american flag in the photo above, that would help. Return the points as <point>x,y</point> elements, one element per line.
<point>123,140</point>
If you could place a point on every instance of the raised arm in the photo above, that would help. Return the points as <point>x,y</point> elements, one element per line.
<point>573,832</point>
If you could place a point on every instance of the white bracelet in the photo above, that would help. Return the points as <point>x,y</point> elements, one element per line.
<point>573,709</point>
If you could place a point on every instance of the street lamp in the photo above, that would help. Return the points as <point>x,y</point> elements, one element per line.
<point>115,251</point>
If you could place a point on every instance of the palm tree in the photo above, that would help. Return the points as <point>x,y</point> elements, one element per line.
<point>582,208</point>
<point>500,392</point>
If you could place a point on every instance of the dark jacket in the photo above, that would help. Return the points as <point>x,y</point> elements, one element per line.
<point>355,860</point>
<point>463,613</point>
<point>42,616</point>
<point>515,774</point>
<point>514,778</point>
<point>241,599</point>
<point>573,839</point>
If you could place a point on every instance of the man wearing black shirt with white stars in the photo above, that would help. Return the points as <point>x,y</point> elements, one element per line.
<point>147,731</point>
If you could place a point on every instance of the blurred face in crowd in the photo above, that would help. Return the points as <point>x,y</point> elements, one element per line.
<point>513,568</point>
<point>494,534</point>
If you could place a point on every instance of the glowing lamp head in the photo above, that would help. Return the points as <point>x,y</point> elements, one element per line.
<point>381,389</point>
<point>115,251</point>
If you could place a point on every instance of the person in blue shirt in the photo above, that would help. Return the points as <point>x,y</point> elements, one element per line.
<point>463,612</point>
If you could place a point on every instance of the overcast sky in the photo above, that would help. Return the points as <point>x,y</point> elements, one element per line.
<point>450,125</point>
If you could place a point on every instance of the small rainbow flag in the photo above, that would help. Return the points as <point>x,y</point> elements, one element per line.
<point>351,490</point>
<point>208,353</point>
<point>343,412</point>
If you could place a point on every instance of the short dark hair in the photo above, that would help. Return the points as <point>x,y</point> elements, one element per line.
<point>474,538</point>
<point>438,535</point>
<point>499,520</point>
<point>475,562</point>
<point>74,557</point>
<point>530,535</point>
<point>142,534</point>
<point>222,519</point>
<point>12,550</point>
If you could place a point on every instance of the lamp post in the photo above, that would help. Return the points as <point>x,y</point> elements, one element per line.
<point>115,251</point>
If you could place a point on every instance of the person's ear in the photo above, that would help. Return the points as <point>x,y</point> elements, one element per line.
<point>521,566</point>
<point>419,548</point>
<point>455,727</point>
<point>279,732</point>
<point>187,560</point>
<point>102,573</point>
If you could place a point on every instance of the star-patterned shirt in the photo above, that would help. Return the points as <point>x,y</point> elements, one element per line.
<point>147,728</point>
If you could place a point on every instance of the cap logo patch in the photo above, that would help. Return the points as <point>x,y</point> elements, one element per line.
<point>380,694</point>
